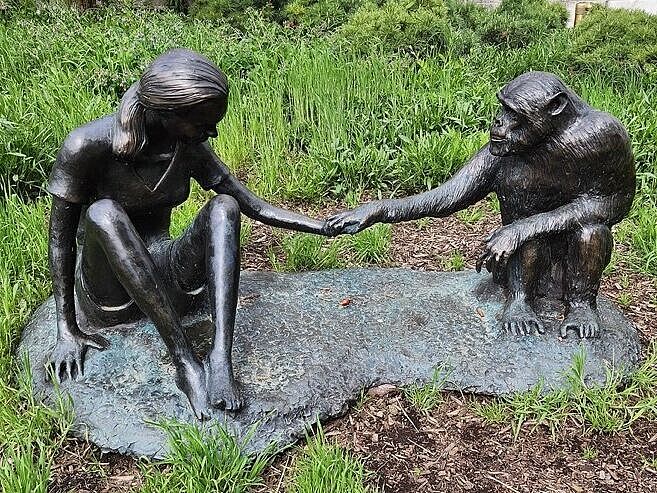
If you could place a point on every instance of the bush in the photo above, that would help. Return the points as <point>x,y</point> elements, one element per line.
<point>609,38</point>
<point>518,23</point>
<point>236,12</point>
<point>418,26</point>
<point>320,16</point>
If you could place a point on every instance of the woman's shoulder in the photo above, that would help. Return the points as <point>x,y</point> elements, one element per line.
<point>91,139</point>
<point>75,171</point>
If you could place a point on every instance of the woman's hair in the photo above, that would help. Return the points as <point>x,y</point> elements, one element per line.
<point>177,79</point>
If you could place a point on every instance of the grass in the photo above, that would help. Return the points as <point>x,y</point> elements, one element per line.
<point>455,262</point>
<point>471,215</point>
<point>29,431</point>
<point>326,468</point>
<point>372,244</point>
<point>306,251</point>
<point>640,231</point>
<point>651,463</point>
<point>427,396</point>
<point>589,453</point>
<point>624,299</point>
<point>608,408</point>
<point>204,461</point>
<point>493,411</point>
<point>303,251</point>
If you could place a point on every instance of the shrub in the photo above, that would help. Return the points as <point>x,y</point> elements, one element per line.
<point>236,12</point>
<point>320,16</point>
<point>517,23</point>
<point>609,38</point>
<point>418,26</point>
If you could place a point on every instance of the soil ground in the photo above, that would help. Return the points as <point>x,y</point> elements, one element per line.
<point>449,449</point>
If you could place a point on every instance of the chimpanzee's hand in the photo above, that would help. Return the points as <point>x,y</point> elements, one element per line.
<point>67,359</point>
<point>499,246</point>
<point>351,222</point>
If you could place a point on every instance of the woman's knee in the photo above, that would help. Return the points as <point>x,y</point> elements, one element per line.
<point>104,214</point>
<point>224,208</point>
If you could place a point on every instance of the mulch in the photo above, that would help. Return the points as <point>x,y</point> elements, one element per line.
<point>451,448</point>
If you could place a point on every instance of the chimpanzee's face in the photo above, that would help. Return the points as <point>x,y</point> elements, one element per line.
<point>510,133</point>
<point>513,133</point>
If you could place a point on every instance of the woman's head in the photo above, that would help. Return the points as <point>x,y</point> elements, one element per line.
<point>179,87</point>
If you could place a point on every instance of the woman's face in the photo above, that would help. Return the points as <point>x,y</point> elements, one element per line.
<point>194,124</point>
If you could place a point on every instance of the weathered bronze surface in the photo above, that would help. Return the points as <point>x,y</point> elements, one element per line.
<point>115,183</point>
<point>563,173</point>
<point>301,355</point>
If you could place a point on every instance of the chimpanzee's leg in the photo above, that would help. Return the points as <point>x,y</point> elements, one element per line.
<point>589,252</point>
<point>115,255</point>
<point>523,269</point>
<point>209,251</point>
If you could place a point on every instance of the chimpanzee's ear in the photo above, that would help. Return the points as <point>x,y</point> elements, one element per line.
<point>557,104</point>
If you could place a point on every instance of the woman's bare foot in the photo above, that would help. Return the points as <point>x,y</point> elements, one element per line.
<point>190,378</point>
<point>222,388</point>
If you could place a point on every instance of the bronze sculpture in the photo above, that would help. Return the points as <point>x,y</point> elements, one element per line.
<point>118,178</point>
<point>563,173</point>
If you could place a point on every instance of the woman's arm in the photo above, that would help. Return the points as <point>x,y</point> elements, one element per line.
<point>260,210</point>
<point>64,218</point>
<point>67,358</point>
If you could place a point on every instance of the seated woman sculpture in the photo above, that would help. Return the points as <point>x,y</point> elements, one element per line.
<point>118,178</point>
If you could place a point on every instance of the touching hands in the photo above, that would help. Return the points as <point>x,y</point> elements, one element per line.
<point>351,222</point>
<point>499,246</point>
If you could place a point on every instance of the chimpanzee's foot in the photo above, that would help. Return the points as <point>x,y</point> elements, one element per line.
<point>222,388</point>
<point>582,318</point>
<point>518,318</point>
<point>190,378</point>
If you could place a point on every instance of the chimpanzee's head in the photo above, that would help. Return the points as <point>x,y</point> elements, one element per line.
<point>534,105</point>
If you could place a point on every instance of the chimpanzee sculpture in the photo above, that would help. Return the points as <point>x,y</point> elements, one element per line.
<point>127,171</point>
<point>563,173</point>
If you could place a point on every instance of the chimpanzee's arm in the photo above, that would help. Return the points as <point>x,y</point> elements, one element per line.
<point>583,210</point>
<point>466,187</point>
<point>469,185</point>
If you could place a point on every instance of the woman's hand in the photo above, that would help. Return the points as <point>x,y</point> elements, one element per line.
<point>67,358</point>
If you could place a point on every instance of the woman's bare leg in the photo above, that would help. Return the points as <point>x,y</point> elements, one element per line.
<point>111,241</point>
<point>209,252</point>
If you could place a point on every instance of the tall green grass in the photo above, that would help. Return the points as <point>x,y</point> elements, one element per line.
<point>29,431</point>
<point>326,468</point>
<point>307,119</point>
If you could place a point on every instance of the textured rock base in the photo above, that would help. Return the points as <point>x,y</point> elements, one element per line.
<point>307,344</point>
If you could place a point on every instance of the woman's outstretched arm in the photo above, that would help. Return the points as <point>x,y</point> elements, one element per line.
<point>260,210</point>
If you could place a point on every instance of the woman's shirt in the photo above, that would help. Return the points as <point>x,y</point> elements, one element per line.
<point>87,170</point>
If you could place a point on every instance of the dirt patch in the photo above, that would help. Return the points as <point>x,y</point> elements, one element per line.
<point>80,467</point>
<point>450,449</point>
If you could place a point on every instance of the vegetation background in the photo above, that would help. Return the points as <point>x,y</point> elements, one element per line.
<point>331,100</point>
